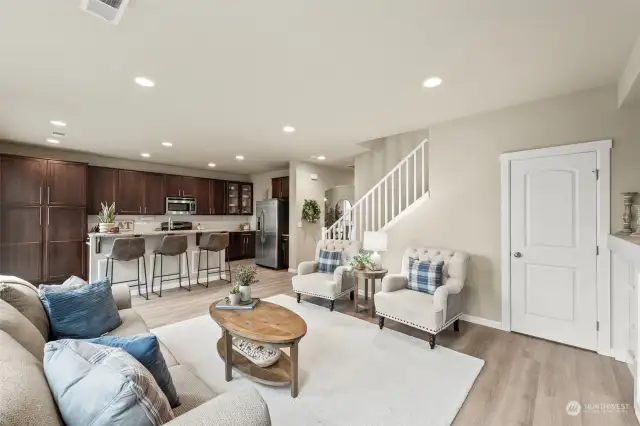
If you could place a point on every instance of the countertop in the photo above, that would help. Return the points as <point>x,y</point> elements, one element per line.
<point>152,233</point>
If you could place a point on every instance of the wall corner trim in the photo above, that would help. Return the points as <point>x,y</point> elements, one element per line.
<point>481,321</point>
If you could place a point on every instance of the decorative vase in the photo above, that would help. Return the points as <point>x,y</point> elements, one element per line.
<point>245,292</point>
<point>234,298</point>
<point>360,266</point>
<point>106,227</point>
<point>626,216</point>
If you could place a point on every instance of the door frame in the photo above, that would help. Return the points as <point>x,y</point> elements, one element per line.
<point>602,149</point>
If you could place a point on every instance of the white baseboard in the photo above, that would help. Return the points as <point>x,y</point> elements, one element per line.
<point>481,321</point>
<point>293,271</point>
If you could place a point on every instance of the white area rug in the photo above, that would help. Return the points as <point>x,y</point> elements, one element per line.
<point>351,372</point>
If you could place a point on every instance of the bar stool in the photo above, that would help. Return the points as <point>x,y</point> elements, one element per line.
<point>124,250</point>
<point>172,245</point>
<point>216,242</point>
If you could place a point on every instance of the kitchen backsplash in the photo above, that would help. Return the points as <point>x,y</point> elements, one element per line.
<point>149,223</point>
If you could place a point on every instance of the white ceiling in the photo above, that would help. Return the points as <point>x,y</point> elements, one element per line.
<point>230,74</point>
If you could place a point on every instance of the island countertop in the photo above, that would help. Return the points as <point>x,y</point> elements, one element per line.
<point>151,233</point>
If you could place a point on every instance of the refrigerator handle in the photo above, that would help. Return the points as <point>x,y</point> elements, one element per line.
<point>262,238</point>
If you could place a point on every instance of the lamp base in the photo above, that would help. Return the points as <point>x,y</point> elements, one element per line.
<point>376,260</point>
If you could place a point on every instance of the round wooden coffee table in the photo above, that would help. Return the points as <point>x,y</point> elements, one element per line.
<point>267,323</point>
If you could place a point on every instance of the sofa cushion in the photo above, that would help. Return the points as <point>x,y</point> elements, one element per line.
<point>131,324</point>
<point>145,349</point>
<point>25,398</point>
<point>329,260</point>
<point>317,284</point>
<point>23,296</point>
<point>425,277</point>
<point>98,385</point>
<point>84,313</point>
<point>192,391</point>
<point>409,306</point>
<point>71,283</point>
<point>20,328</point>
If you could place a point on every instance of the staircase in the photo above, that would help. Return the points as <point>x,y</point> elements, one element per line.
<point>395,195</point>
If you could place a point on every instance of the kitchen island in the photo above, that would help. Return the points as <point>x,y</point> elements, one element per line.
<point>100,246</point>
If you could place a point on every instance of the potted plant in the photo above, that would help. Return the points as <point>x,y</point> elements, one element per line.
<point>361,260</point>
<point>107,217</point>
<point>234,295</point>
<point>245,276</point>
<point>310,211</point>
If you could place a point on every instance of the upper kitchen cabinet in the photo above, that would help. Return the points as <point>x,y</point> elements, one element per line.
<point>154,194</point>
<point>102,188</point>
<point>233,198</point>
<point>181,186</point>
<point>22,180</point>
<point>246,199</point>
<point>204,203</point>
<point>218,196</point>
<point>280,187</point>
<point>130,192</point>
<point>66,183</point>
<point>239,198</point>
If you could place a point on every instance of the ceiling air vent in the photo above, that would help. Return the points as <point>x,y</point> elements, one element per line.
<point>109,10</point>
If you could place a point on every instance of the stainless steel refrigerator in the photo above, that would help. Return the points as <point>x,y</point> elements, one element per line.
<point>272,220</point>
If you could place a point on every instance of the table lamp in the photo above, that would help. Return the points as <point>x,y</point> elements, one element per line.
<point>375,242</point>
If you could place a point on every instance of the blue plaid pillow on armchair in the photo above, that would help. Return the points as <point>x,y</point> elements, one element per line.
<point>425,277</point>
<point>328,261</point>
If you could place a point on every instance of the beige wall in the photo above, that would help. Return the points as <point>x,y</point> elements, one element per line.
<point>7,147</point>
<point>337,193</point>
<point>262,184</point>
<point>302,240</point>
<point>464,170</point>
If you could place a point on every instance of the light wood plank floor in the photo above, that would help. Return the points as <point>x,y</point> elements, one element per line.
<point>525,381</point>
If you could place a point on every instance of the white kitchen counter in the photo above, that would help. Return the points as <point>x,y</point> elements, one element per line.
<point>147,233</point>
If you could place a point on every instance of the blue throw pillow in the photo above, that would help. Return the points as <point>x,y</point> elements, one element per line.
<point>83,313</point>
<point>425,277</point>
<point>146,349</point>
<point>101,386</point>
<point>328,261</point>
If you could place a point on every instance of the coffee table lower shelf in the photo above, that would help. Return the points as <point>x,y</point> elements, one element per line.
<point>275,375</point>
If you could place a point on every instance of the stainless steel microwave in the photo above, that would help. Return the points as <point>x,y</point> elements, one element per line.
<point>180,205</point>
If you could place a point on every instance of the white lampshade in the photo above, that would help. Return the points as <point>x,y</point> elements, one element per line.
<point>375,241</point>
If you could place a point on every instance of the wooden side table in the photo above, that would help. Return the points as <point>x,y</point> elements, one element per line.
<point>367,274</point>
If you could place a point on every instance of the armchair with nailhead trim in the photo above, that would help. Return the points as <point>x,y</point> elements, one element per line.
<point>430,313</point>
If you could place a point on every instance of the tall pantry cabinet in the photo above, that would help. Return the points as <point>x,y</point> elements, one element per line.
<point>43,218</point>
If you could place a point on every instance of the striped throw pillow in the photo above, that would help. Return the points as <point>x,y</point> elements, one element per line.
<point>329,260</point>
<point>425,277</point>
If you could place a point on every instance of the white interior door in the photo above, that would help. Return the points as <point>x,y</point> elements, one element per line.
<point>553,248</point>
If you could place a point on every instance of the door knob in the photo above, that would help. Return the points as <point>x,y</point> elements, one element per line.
<point>517,254</point>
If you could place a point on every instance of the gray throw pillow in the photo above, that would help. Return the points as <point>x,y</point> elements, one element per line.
<point>101,386</point>
<point>72,283</point>
<point>23,296</point>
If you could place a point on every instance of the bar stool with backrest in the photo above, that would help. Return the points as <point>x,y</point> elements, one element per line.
<point>124,250</point>
<point>216,242</point>
<point>172,245</point>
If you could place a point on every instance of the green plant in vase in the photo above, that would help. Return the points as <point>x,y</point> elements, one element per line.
<point>245,276</point>
<point>361,260</point>
<point>234,295</point>
<point>107,217</point>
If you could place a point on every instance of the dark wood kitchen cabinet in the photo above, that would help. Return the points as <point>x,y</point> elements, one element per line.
<point>204,203</point>
<point>218,196</point>
<point>285,251</point>
<point>154,194</point>
<point>242,245</point>
<point>280,187</point>
<point>102,188</point>
<point>140,193</point>
<point>181,186</point>
<point>43,225</point>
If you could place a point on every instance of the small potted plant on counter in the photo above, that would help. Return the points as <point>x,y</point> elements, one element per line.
<point>234,295</point>
<point>361,260</point>
<point>107,217</point>
<point>245,276</point>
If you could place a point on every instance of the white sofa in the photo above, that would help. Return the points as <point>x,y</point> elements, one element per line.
<point>320,284</point>
<point>430,313</point>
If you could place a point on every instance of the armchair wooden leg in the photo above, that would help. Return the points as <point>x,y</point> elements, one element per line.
<point>380,322</point>
<point>432,340</point>
<point>351,295</point>
<point>456,325</point>
<point>331,305</point>
<point>298,295</point>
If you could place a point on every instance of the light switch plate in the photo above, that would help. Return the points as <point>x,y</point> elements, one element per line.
<point>299,224</point>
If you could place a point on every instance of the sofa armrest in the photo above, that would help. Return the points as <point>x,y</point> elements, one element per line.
<point>452,286</point>
<point>343,278</point>
<point>233,408</point>
<point>122,295</point>
<point>307,267</point>
<point>394,282</point>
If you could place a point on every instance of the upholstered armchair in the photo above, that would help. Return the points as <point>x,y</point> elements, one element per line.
<point>328,286</point>
<point>430,313</point>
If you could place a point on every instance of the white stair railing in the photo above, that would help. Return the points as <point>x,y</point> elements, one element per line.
<point>380,207</point>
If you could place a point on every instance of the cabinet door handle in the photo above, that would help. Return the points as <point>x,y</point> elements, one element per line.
<point>48,216</point>
<point>40,216</point>
<point>40,198</point>
<point>139,209</point>
<point>209,210</point>
<point>145,209</point>
<point>48,194</point>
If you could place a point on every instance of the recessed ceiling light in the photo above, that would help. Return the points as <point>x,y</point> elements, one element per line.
<point>432,82</point>
<point>211,164</point>
<point>239,157</point>
<point>58,123</point>
<point>288,129</point>
<point>167,144</point>
<point>145,154</point>
<point>144,82</point>
<point>56,141</point>
<point>321,157</point>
